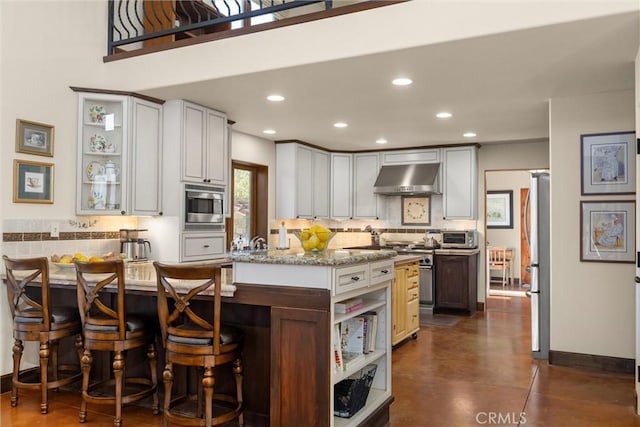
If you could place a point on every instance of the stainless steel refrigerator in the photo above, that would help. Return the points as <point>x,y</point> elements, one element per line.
<point>538,237</point>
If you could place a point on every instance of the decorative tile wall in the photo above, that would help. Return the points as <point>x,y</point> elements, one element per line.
<point>88,235</point>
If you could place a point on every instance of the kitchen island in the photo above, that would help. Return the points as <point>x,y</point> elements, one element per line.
<point>289,324</point>
<point>303,367</point>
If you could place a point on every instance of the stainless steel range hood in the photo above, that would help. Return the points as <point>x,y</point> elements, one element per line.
<point>408,179</point>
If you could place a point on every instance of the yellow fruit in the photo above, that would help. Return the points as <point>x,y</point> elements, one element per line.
<point>306,245</point>
<point>321,245</point>
<point>323,235</point>
<point>66,259</point>
<point>313,228</point>
<point>304,235</point>
<point>313,241</point>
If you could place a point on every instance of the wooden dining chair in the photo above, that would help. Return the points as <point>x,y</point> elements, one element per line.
<point>35,318</point>
<point>498,261</point>
<point>108,326</point>
<point>193,337</point>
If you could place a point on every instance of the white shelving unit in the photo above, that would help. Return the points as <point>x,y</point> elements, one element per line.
<point>375,291</point>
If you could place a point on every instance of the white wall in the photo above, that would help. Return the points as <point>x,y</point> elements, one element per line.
<point>503,157</point>
<point>592,303</point>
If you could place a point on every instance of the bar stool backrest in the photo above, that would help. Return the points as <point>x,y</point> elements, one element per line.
<point>91,298</point>
<point>21,304</point>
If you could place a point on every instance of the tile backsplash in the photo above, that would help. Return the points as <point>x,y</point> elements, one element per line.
<point>89,235</point>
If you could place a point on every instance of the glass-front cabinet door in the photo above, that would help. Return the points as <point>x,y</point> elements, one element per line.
<point>102,154</point>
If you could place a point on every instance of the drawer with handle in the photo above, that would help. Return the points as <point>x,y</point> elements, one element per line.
<point>381,271</point>
<point>349,278</point>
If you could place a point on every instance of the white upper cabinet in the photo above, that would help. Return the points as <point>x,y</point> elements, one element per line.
<point>146,158</point>
<point>365,172</point>
<point>119,155</point>
<point>302,182</point>
<point>205,149</point>
<point>460,182</point>
<point>341,186</point>
<point>407,157</point>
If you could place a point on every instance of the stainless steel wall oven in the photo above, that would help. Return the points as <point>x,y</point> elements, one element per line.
<point>203,207</point>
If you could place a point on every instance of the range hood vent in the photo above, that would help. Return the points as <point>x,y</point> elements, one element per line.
<point>419,178</point>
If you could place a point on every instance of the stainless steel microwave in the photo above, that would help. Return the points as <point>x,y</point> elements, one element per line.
<point>203,207</point>
<point>459,239</point>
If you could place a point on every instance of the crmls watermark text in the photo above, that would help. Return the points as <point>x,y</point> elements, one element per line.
<point>501,418</point>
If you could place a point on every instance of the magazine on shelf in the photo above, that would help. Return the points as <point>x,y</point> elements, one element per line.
<point>349,305</point>
<point>337,350</point>
<point>370,330</point>
<point>352,334</point>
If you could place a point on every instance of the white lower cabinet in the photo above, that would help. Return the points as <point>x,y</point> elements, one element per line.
<point>373,289</point>
<point>202,246</point>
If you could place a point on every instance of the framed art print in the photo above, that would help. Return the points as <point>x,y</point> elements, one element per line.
<point>416,210</point>
<point>500,209</point>
<point>32,182</point>
<point>34,138</point>
<point>607,163</point>
<point>608,231</point>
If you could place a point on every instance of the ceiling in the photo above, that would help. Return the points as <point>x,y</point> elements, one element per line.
<point>497,86</point>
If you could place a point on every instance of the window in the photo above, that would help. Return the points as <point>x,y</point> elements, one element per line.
<point>249,190</point>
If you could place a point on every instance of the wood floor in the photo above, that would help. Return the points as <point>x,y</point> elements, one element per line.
<point>476,372</point>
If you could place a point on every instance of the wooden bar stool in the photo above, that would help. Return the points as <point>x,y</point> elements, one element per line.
<point>35,319</point>
<point>197,339</point>
<point>114,330</point>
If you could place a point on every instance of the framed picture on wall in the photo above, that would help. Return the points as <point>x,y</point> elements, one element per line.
<point>34,138</point>
<point>500,209</point>
<point>416,210</point>
<point>607,163</point>
<point>608,231</point>
<point>32,182</point>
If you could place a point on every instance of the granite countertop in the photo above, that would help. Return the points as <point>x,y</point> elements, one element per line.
<point>402,259</point>
<point>331,257</point>
<point>457,251</point>
<point>139,276</point>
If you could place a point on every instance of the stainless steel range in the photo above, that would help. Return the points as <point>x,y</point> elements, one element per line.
<point>427,276</point>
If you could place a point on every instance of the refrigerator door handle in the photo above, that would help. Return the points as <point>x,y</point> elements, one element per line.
<point>526,218</point>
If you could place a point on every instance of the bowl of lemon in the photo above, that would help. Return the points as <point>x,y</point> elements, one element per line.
<point>315,239</point>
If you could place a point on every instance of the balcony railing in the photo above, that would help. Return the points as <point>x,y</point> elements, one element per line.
<point>142,26</point>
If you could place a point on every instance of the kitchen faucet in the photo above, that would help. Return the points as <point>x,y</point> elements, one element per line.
<point>257,243</point>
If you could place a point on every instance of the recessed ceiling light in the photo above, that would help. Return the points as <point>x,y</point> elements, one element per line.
<point>381,141</point>
<point>402,81</point>
<point>269,131</point>
<point>444,115</point>
<point>340,125</point>
<point>275,98</point>
<point>469,134</point>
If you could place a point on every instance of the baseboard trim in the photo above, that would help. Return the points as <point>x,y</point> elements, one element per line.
<point>617,365</point>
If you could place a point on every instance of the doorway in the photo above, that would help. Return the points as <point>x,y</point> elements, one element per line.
<point>505,217</point>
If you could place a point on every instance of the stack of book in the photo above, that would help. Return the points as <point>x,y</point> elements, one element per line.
<point>353,338</point>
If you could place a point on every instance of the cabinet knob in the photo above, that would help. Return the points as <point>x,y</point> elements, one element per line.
<point>160,213</point>
<point>206,246</point>
<point>355,278</point>
<point>123,213</point>
<point>385,271</point>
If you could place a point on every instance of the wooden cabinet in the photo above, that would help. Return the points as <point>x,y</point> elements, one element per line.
<point>198,246</point>
<point>119,155</point>
<point>299,343</point>
<point>302,182</point>
<point>405,302</point>
<point>460,182</point>
<point>456,283</point>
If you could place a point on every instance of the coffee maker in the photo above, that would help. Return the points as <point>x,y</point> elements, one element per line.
<point>133,245</point>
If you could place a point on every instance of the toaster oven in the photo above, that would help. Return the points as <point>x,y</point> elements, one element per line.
<point>459,239</point>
